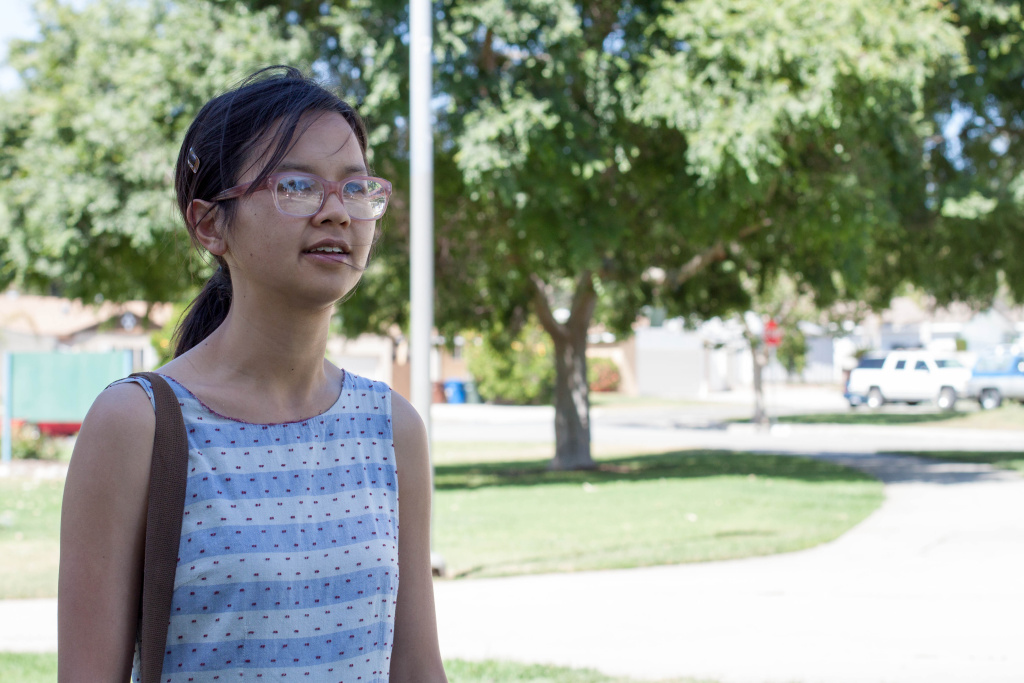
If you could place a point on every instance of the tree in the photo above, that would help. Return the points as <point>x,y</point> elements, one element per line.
<point>743,139</point>
<point>580,145</point>
<point>976,164</point>
<point>548,199</point>
<point>90,140</point>
<point>805,126</point>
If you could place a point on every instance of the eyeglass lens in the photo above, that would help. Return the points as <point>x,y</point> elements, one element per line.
<point>303,196</point>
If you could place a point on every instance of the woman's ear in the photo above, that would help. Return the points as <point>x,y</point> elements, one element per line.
<point>204,217</point>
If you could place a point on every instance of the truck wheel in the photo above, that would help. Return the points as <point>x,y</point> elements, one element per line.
<point>947,398</point>
<point>990,399</point>
<point>875,398</point>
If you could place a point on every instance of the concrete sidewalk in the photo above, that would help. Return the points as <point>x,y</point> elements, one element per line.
<point>28,625</point>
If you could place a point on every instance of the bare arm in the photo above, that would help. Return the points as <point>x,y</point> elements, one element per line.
<point>415,657</point>
<point>102,537</point>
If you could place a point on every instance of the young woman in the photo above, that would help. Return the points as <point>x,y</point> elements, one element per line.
<point>290,552</point>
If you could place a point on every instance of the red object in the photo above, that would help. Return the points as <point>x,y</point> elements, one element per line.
<point>772,333</point>
<point>59,428</point>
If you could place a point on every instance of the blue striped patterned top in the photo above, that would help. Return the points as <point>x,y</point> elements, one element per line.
<point>288,561</point>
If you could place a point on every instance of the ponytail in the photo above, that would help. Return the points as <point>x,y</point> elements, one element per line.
<point>206,312</point>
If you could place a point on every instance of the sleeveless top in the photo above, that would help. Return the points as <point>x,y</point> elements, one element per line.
<point>288,559</point>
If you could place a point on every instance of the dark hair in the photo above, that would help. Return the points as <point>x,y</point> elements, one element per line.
<point>220,140</point>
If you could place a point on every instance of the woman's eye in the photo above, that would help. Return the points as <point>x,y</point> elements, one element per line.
<point>296,185</point>
<point>355,188</point>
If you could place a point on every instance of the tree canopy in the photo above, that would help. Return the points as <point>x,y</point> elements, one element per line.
<point>805,125</point>
<point>591,158</point>
<point>580,146</point>
<point>90,140</point>
<point>976,164</point>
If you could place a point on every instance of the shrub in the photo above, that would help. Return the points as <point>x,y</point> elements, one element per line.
<point>521,373</point>
<point>28,443</point>
<point>603,374</point>
<point>792,352</point>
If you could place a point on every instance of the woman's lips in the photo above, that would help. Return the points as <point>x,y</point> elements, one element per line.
<point>329,256</point>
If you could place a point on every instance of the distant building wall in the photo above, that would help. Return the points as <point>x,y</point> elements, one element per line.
<point>14,342</point>
<point>900,337</point>
<point>821,367</point>
<point>669,363</point>
<point>988,330</point>
<point>367,355</point>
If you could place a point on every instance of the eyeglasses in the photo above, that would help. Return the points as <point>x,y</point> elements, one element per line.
<point>303,194</point>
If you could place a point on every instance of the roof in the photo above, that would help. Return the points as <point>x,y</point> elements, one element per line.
<point>51,316</point>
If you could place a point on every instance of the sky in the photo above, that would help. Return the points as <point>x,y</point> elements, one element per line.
<point>17,23</point>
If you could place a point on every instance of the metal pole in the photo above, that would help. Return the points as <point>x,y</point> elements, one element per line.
<point>8,442</point>
<point>421,228</point>
<point>421,222</point>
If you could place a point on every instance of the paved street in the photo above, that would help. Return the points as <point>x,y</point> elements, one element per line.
<point>926,589</point>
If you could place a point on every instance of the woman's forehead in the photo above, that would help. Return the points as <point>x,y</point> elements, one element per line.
<point>319,139</point>
<point>327,136</point>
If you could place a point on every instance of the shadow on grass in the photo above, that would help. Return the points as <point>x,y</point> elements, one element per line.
<point>1010,460</point>
<point>870,417</point>
<point>672,465</point>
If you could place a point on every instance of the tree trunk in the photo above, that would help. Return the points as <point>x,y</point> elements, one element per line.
<point>572,393</point>
<point>572,403</point>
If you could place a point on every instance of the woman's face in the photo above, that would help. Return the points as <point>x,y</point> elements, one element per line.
<point>304,260</point>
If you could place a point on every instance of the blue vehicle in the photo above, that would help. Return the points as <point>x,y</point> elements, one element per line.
<point>997,377</point>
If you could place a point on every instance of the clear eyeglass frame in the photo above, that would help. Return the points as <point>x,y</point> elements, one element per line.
<point>369,203</point>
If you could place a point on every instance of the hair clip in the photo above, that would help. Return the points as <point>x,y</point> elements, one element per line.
<point>193,160</point>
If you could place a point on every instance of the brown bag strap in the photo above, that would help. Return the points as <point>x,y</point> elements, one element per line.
<point>163,524</point>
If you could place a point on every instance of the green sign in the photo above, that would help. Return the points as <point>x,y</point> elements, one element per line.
<point>60,387</point>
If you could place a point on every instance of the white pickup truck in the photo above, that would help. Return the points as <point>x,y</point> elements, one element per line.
<point>907,377</point>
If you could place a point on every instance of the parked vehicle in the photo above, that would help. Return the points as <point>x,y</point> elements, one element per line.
<point>997,377</point>
<point>908,377</point>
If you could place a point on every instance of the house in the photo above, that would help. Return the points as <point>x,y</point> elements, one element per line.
<point>48,323</point>
<point>672,360</point>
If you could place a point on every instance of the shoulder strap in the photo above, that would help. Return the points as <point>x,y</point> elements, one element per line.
<point>163,524</point>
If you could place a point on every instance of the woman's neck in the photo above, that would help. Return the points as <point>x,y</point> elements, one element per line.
<point>263,365</point>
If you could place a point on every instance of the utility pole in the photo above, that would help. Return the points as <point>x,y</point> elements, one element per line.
<point>421,221</point>
<point>421,227</point>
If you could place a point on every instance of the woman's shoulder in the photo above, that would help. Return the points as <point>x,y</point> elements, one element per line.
<point>126,406</point>
<point>116,437</point>
<point>409,434</point>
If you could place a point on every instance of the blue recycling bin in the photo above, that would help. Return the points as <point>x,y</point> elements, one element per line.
<point>455,391</point>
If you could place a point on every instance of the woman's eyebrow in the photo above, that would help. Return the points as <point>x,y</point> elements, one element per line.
<point>306,168</point>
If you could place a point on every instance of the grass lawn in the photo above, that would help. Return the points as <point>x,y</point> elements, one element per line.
<point>17,667</point>
<point>499,672</point>
<point>37,668</point>
<point>1007,460</point>
<point>29,537</point>
<point>511,517</point>
<point>500,518</point>
<point>1009,416</point>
